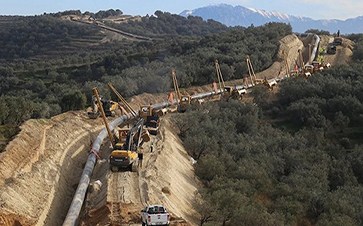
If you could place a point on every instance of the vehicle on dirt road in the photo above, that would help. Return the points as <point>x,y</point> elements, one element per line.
<point>332,48</point>
<point>155,215</point>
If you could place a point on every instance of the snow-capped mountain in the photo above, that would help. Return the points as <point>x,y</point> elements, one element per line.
<point>242,16</point>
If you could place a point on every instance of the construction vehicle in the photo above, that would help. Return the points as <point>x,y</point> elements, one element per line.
<point>109,107</point>
<point>269,83</point>
<point>151,118</point>
<point>125,147</point>
<point>184,99</point>
<point>155,215</point>
<point>332,48</point>
<point>338,40</point>
<point>228,91</point>
<point>125,153</point>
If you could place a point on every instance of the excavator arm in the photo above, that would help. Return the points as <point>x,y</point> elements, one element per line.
<point>132,142</point>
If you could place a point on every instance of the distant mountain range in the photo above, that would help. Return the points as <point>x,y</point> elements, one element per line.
<point>242,16</point>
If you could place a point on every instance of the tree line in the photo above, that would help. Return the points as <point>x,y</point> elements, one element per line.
<point>133,67</point>
<point>291,158</point>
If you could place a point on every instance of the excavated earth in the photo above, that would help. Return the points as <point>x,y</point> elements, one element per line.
<point>41,167</point>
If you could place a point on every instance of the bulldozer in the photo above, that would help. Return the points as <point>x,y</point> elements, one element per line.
<point>109,107</point>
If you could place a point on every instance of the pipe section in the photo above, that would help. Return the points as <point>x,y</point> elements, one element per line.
<point>77,202</point>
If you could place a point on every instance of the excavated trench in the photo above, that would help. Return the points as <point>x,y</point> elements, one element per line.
<point>69,175</point>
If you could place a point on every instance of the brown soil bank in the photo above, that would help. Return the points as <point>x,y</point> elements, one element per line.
<point>40,168</point>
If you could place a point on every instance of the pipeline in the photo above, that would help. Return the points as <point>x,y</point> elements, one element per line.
<point>315,48</point>
<point>79,196</point>
<point>77,202</point>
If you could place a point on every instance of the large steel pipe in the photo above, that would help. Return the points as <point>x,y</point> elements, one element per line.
<point>77,202</point>
<point>79,196</point>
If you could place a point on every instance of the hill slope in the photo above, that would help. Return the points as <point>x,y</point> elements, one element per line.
<point>40,168</point>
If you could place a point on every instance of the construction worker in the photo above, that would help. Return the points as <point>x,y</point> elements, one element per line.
<point>215,86</point>
<point>141,157</point>
<point>245,81</point>
<point>171,98</point>
<point>151,146</point>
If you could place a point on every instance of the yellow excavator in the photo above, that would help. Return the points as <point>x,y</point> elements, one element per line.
<point>125,152</point>
<point>109,107</point>
<point>125,147</point>
<point>150,117</point>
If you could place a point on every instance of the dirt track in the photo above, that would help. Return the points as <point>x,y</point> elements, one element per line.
<point>40,168</point>
<point>343,53</point>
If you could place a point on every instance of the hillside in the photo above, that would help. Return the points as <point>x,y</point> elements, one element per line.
<point>41,166</point>
<point>50,63</point>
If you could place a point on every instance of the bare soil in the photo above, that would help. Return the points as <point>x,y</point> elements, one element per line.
<point>166,177</point>
<point>343,53</point>
<point>40,168</point>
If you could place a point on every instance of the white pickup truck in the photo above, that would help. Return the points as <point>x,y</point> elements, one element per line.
<point>155,215</point>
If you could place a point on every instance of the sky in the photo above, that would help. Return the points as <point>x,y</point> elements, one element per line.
<point>316,9</point>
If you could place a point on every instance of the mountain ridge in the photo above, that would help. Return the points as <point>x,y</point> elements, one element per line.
<point>245,16</point>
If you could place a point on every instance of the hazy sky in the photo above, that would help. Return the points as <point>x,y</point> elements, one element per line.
<point>316,9</point>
